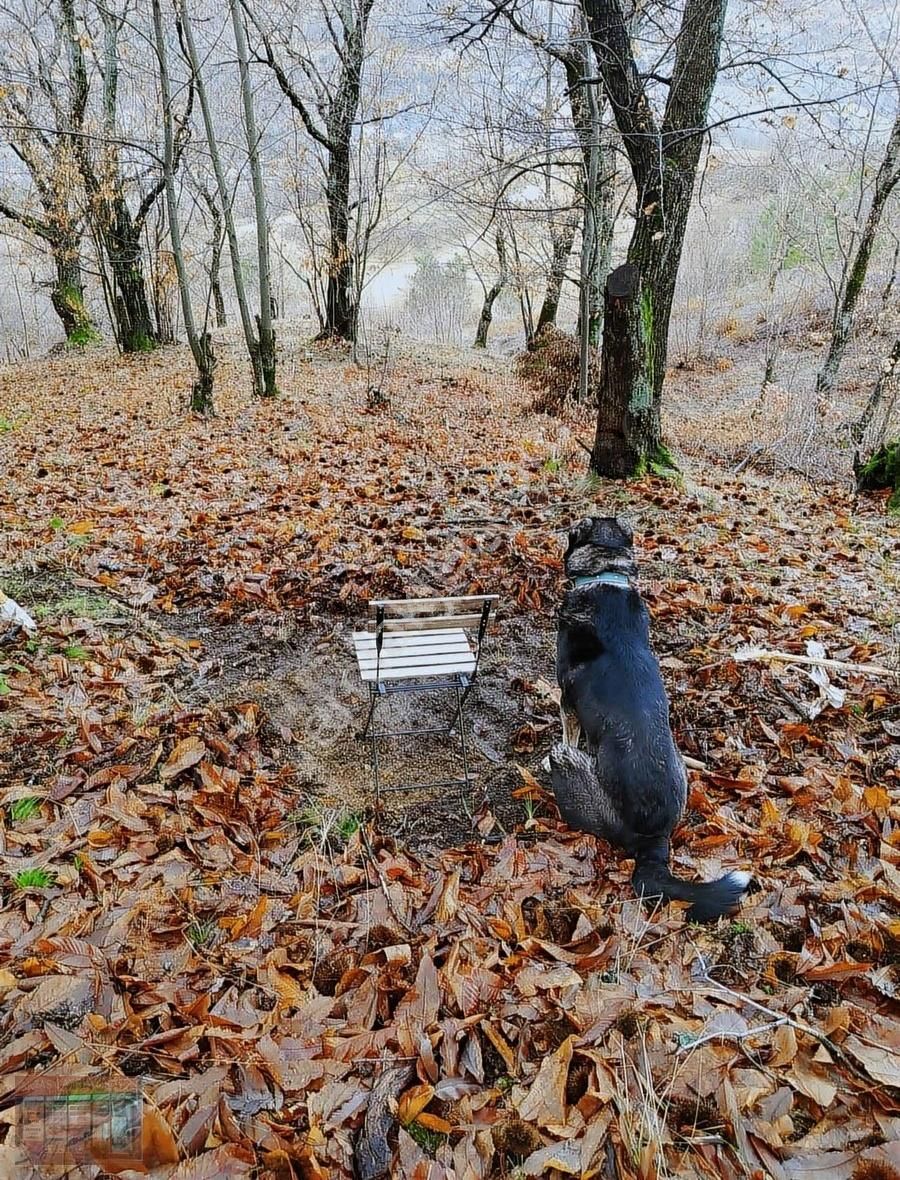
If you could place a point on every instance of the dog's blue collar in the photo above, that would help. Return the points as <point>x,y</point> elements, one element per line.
<point>610,578</point>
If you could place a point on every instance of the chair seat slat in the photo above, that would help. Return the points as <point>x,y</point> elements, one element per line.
<point>406,669</point>
<point>402,643</point>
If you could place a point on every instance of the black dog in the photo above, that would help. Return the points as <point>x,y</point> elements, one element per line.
<point>631,786</point>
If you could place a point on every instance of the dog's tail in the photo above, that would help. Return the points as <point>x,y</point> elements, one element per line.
<point>653,878</point>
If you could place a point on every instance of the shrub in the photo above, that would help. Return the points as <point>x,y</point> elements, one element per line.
<point>550,368</point>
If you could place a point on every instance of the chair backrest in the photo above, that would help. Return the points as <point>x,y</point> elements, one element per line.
<point>428,614</point>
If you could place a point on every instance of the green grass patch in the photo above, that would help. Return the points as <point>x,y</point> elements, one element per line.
<point>21,810</point>
<point>34,879</point>
<point>200,934</point>
<point>80,606</point>
<point>76,652</point>
<point>427,1139</point>
<point>324,825</point>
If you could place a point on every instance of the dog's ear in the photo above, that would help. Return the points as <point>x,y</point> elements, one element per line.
<point>580,533</point>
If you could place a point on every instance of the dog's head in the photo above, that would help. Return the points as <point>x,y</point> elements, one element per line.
<point>600,544</point>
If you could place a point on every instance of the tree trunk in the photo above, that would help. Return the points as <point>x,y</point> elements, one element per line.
<point>134,321</point>
<point>664,160</point>
<point>628,423</point>
<point>890,370</point>
<point>265,334</point>
<point>340,307</point>
<point>215,271</point>
<point>562,237</point>
<point>487,308</point>
<point>845,312</point>
<point>200,343</point>
<point>604,228</point>
<point>598,158</point>
<point>67,296</point>
<point>234,251</point>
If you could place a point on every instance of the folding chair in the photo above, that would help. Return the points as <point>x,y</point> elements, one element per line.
<point>419,645</point>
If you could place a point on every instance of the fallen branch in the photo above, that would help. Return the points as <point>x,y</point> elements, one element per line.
<point>722,1034</point>
<point>693,763</point>
<point>798,706</point>
<point>782,1018</point>
<point>787,657</point>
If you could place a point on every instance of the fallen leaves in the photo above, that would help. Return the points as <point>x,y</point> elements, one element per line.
<point>317,1010</point>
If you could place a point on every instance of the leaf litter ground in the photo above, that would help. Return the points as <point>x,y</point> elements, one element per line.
<point>444,996</point>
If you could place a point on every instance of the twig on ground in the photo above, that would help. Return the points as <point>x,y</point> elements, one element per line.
<point>370,854</point>
<point>751,454</point>
<point>788,657</point>
<point>798,706</point>
<point>693,763</point>
<point>726,1035</point>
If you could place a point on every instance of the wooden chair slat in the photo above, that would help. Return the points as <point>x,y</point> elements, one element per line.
<point>404,668</point>
<point>407,607</point>
<point>413,643</point>
<point>428,623</point>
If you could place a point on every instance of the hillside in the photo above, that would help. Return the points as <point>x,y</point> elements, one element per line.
<point>301,989</point>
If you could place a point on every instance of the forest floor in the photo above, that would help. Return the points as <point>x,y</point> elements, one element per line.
<point>466,988</point>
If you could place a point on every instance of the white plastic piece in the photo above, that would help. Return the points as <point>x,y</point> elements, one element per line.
<point>11,612</point>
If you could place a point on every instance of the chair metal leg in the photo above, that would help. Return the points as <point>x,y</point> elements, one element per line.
<point>373,697</point>
<point>376,768</point>
<point>461,722</point>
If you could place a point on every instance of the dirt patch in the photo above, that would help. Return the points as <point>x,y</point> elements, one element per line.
<point>308,686</point>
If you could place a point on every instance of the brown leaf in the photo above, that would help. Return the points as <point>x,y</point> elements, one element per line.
<point>158,1143</point>
<point>880,1062</point>
<point>187,753</point>
<point>413,1102</point>
<point>812,1082</point>
<point>545,1102</point>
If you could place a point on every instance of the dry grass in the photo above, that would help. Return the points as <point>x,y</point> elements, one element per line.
<point>550,368</point>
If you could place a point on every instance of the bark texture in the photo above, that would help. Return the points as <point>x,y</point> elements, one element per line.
<point>845,309</point>
<point>663,156</point>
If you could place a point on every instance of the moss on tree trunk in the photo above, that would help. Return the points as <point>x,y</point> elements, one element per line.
<point>882,470</point>
<point>67,298</point>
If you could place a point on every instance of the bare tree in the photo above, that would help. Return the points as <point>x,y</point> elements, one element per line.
<point>45,96</point>
<point>857,265</point>
<point>329,119</point>
<point>492,293</point>
<point>226,203</point>
<point>266,335</point>
<point>887,379</point>
<point>215,256</point>
<point>200,343</point>
<point>116,227</point>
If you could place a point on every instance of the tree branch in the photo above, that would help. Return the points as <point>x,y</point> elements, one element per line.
<point>287,89</point>
<point>40,228</point>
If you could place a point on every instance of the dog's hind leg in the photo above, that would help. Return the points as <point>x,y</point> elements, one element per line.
<point>581,797</point>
